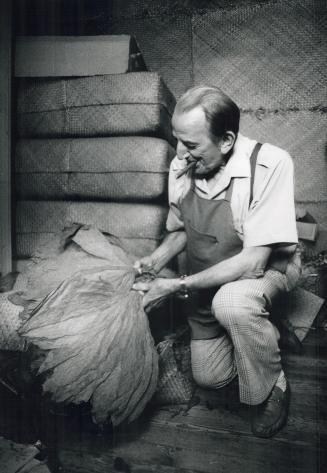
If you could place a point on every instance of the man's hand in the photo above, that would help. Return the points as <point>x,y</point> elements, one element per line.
<point>145,264</point>
<point>155,291</point>
<point>173,243</point>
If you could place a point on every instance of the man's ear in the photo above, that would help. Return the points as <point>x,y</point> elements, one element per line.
<point>227,142</point>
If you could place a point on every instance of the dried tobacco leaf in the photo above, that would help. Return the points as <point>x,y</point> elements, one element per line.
<point>97,342</point>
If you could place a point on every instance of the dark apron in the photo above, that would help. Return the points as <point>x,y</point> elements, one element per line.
<point>211,238</point>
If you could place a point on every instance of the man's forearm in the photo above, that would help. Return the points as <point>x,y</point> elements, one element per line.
<point>172,245</point>
<point>249,263</point>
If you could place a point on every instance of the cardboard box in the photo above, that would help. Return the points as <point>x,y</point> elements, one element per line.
<point>63,56</point>
<point>307,231</point>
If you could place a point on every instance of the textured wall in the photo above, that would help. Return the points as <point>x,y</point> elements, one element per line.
<point>270,56</point>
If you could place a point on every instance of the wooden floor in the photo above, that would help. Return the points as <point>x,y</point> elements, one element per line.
<point>213,436</point>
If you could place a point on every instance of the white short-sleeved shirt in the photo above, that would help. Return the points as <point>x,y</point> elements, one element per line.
<point>271,216</point>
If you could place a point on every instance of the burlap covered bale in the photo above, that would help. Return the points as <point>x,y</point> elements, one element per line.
<point>27,243</point>
<point>97,120</point>
<point>117,168</point>
<point>303,135</point>
<point>36,220</point>
<point>9,324</point>
<point>41,185</point>
<point>118,104</point>
<point>122,220</point>
<point>270,54</point>
<point>43,94</point>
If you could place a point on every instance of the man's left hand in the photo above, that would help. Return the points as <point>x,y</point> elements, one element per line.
<point>155,291</point>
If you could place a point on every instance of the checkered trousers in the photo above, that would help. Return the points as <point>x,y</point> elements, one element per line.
<point>248,345</point>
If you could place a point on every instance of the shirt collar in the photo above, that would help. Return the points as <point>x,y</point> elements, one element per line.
<point>238,165</point>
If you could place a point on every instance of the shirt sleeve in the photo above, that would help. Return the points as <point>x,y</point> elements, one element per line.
<point>271,218</point>
<point>175,193</point>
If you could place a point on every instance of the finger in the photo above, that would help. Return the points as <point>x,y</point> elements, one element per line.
<point>138,266</point>
<point>146,308</point>
<point>141,286</point>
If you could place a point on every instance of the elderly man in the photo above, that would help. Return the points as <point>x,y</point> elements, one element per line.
<point>233,211</point>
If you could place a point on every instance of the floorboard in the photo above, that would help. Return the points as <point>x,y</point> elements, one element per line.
<point>213,436</point>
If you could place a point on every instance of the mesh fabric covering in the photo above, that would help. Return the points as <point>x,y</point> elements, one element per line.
<point>28,243</point>
<point>43,94</point>
<point>264,55</point>
<point>118,104</point>
<point>171,52</point>
<point>97,120</point>
<point>9,324</point>
<point>303,135</point>
<point>119,168</point>
<point>36,221</point>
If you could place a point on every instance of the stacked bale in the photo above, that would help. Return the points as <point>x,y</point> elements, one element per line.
<point>94,150</point>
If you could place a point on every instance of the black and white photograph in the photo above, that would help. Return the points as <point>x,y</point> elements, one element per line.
<point>163,236</point>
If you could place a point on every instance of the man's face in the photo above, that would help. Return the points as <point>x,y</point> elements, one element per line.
<point>194,141</point>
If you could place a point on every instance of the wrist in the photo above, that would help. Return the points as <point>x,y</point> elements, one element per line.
<point>174,285</point>
<point>183,288</point>
<point>156,264</point>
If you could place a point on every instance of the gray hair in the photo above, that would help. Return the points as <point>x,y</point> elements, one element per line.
<point>221,112</point>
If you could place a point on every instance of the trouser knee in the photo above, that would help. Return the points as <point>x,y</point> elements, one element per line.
<point>232,306</point>
<point>212,362</point>
<point>213,379</point>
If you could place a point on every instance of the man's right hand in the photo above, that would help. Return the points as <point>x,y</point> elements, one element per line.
<point>144,264</point>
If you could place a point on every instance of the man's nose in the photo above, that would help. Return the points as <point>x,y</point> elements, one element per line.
<point>181,151</point>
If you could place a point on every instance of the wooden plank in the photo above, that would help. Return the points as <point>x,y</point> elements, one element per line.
<point>109,463</point>
<point>304,366</point>
<point>308,404</point>
<point>199,449</point>
<point>183,444</point>
<point>5,136</point>
<point>175,444</point>
<point>34,466</point>
<point>206,451</point>
<point>15,456</point>
<point>207,441</point>
<point>51,56</point>
<point>301,430</point>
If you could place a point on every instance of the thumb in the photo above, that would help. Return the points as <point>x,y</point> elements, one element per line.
<point>141,286</point>
<point>138,266</point>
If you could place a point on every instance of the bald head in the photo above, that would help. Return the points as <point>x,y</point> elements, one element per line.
<point>221,113</point>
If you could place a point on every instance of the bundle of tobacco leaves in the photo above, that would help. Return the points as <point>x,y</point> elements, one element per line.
<point>96,341</point>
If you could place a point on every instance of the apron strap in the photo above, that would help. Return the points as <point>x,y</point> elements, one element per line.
<point>192,187</point>
<point>253,163</point>
<point>229,190</point>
